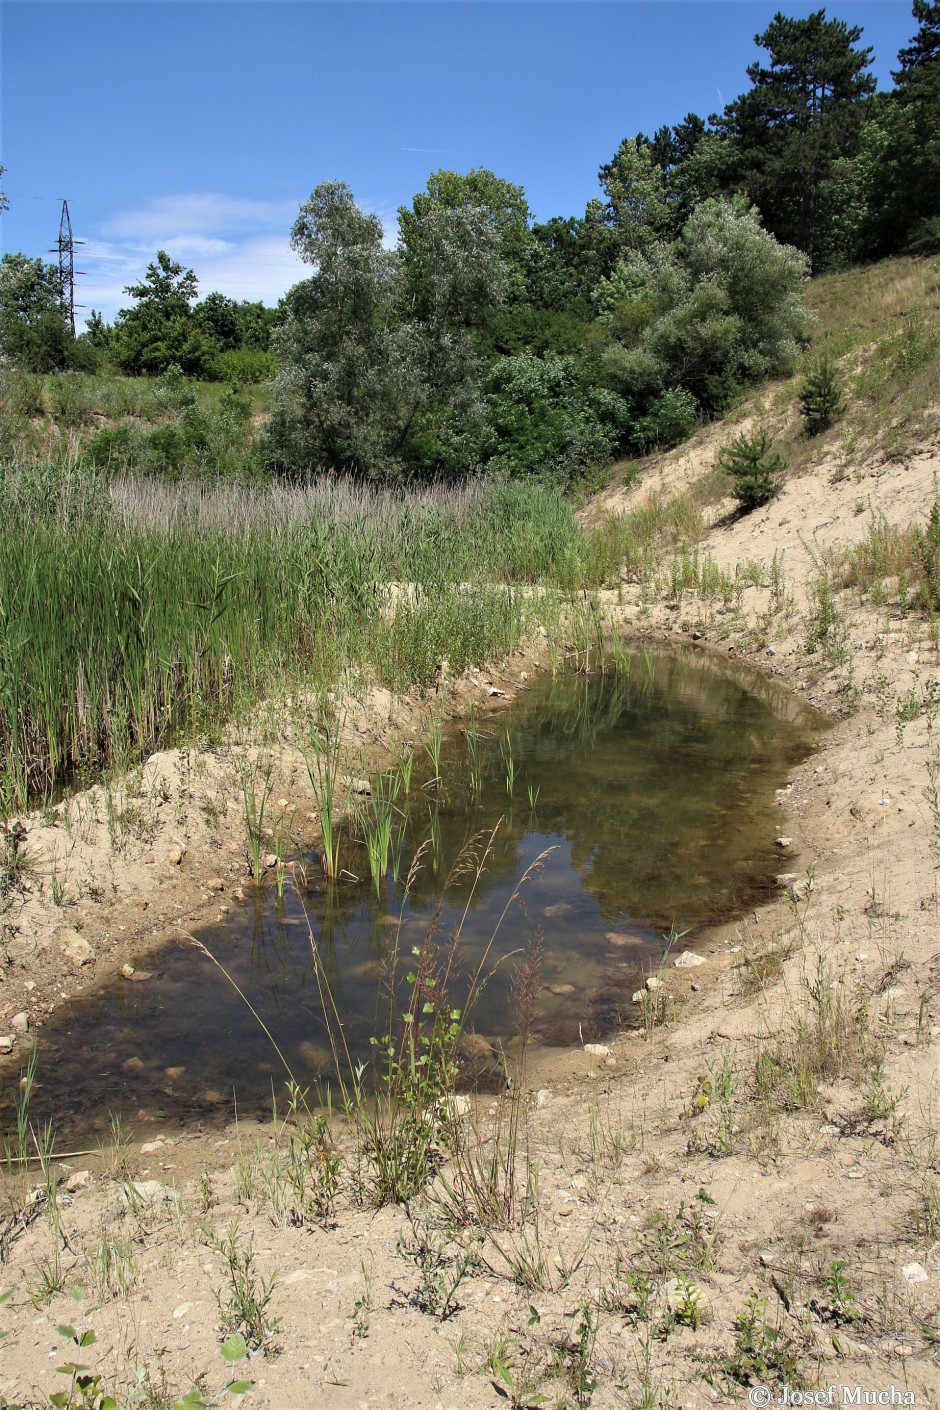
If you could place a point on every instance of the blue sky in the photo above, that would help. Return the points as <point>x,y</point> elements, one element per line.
<point>199,127</point>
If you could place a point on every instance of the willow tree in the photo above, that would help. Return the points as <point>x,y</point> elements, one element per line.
<point>379,376</point>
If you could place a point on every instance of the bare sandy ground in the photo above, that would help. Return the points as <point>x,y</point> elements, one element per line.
<point>775,1138</point>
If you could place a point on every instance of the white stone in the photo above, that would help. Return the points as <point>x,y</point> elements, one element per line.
<point>688,960</point>
<point>75,948</point>
<point>654,983</point>
<point>78,1180</point>
<point>148,1192</point>
<point>597,1050</point>
<point>914,1273</point>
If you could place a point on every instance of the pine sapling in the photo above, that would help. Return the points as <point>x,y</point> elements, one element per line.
<point>821,399</point>
<point>754,466</point>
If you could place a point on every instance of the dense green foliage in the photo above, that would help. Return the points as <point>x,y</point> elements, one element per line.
<point>719,306</point>
<point>166,328</point>
<point>486,342</point>
<point>802,115</point>
<point>217,338</point>
<point>33,330</point>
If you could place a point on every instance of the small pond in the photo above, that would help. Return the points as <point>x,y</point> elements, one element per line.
<point>648,792</point>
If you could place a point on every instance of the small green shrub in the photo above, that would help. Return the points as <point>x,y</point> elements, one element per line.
<point>821,400</point>
<point>671,418</point>
<point>244,1299</point>
<point>244,367</point>
<point>928,548</point>
<point>754,467</point>
<point>925,237</point>
<point>761,1353</point>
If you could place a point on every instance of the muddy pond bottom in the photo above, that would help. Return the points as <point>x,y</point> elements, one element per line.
<point>642,804</point>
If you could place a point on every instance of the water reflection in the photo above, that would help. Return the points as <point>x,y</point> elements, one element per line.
<point>652,790</point>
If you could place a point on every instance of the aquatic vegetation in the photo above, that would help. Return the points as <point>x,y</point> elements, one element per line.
<point>134,611</point>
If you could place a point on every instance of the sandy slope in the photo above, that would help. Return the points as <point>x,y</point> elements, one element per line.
<point>662,1157</point>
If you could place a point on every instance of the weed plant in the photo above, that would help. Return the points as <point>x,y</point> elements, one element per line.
<point>433,746</point>
<point>256,782</point>
<point>400,1107</point>
<point>441,1270</point>
<point>244,1299</point>
<point>490,1182</point>
<point>375,818</point>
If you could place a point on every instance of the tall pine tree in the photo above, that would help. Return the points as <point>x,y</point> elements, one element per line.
<point>918,95</point>
<point>799,120</point>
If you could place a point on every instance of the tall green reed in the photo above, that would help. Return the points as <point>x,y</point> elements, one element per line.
<point>131,610</point>
<point>321,753</point>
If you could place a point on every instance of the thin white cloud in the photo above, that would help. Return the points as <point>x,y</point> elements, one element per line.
<point>200,213</point>
<point>239,247</point>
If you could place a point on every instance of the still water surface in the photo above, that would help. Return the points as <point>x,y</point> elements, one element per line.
<point>652,793</point>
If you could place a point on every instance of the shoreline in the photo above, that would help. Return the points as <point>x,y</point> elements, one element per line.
<point>765,1159</point>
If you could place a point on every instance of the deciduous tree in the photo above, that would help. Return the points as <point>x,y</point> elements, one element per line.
<point>160,331</point>
<point>33,330</point>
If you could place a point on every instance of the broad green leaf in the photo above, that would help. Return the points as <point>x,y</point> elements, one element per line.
<point>66,1331</point>
<point>234,1348</point>
<point>239,1387</point>
<point>192,1398</point>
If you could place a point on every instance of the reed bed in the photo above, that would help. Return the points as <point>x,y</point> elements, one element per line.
<point>132,610</point>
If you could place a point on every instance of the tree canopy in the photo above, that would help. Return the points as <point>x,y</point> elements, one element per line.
<point>33,329</point>
<point>485,340</point>
<point>804,112</point>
